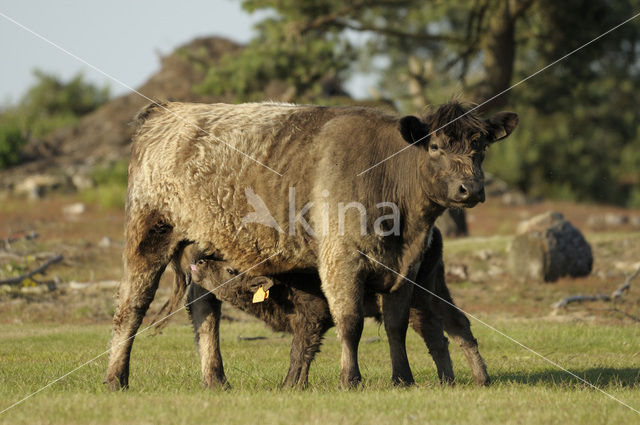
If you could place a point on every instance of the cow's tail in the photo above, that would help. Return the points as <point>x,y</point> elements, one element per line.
<point>179,289</point>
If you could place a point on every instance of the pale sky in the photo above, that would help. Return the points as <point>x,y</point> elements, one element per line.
<point>120,37</point>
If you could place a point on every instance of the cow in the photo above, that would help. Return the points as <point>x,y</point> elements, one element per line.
<point>296,305</point>
<point>206,174</point>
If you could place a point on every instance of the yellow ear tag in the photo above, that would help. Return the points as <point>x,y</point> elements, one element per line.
<point>260,295</point>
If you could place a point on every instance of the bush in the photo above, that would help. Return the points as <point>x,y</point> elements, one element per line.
<point>11,141</point>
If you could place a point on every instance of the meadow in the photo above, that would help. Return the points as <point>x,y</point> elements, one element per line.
<point>45,335</point>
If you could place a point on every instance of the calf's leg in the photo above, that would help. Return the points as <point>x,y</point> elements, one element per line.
<point>307,337</point>
<point>458,328</point>
<point>150,244</point>
<point>395,314</point>
<point>205,311</point>
<point>430,329</point>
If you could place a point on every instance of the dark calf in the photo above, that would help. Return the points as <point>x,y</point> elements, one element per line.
<point>297,305</point>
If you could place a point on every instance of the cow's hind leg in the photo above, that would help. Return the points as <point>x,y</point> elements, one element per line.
<point>205,311</point>
<point>150,244</point>
<point>395,314</point>
<point>458,328</point>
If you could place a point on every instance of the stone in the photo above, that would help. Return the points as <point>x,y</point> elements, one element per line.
<point>105,242</point>
<point>36,186</point>
<point>74,210</point>
<point>548,247</point>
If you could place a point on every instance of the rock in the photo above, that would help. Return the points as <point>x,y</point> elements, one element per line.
<point>496,188</point>
<point>453,223</point>
<point>82,181</point>
<point>615,220</point>
<point>35,187</point>
<point>548,247</point>
<point>456,273</point>
<point>484,254</point>
<point>634,220</point>
<point>105,242</point>
<point>74,210</point>
<point>514,198</point>
<point>540,222</point>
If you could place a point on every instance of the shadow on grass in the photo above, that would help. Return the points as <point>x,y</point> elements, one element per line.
<point>599,376</point>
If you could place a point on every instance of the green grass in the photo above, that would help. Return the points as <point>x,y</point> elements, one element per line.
<point>165,381</point>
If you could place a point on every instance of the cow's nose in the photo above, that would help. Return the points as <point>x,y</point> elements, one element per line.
<point>471,192</point>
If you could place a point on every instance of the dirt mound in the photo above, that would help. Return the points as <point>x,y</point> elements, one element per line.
<point>104,134</point>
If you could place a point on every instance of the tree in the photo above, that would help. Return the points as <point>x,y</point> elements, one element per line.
<point>48,105</point>
<point>577,117</point>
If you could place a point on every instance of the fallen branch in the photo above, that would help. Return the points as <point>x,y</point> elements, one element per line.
<point>16,280</point>
<point>626,285</point>
<point>599,297</point>
<point>580,299</point>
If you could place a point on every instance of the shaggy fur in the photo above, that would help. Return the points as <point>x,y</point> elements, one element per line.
<point>191,164</point>
<point>296,305</point>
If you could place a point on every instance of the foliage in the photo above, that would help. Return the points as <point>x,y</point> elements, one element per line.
<point>48,105</point>
<point>280,53</point>
<point>110,185</point>
<point>11,140</point>
<point>578,138</point>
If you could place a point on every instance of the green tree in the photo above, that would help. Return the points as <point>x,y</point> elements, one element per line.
<point>578,137</point>
<point>48,105</point>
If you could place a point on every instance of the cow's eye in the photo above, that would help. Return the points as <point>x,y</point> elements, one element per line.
<point>231,271</point>
<point>201,262</point>
<point>433,147</point>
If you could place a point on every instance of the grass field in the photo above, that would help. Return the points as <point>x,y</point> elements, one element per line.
<point>165,382</point>
<point>46,334</point>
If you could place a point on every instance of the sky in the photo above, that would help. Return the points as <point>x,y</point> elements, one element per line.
<point>123,38</point>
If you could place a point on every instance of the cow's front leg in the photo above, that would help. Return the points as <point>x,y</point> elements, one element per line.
<point>343,288</point>
<point>205,311</point>
<point>395,314</point>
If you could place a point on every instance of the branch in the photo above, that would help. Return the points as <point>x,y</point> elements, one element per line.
<point>337,19</point>
<point>625,286</point>
<point>521,9</point>
<point>600,297</point>
<point>580,299</point>
<point>398,33</point>
<point>16,280</point>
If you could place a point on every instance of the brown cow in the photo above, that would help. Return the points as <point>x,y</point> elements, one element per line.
<point>296,305</point>
<point>198,173</point>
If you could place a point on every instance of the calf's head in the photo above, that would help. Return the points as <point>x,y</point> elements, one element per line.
<point>455,140</point>
<point>211,273</point>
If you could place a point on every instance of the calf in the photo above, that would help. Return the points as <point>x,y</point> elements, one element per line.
<point>297,305</point>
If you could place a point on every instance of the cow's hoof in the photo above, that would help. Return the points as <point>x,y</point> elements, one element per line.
<point>351,383</point>
<point>113,384</point>
<point>482,381</point>
<point>403,382</point>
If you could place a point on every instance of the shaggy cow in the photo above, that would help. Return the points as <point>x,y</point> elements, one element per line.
<point>296,305</point>
<point>197,172</point>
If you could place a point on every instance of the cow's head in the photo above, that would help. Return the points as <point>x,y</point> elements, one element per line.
<point>455,140</point>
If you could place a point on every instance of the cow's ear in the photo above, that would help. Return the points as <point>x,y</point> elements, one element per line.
<point>412,129</point>
<point>265,281</point>
<point>501,125</point>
